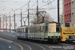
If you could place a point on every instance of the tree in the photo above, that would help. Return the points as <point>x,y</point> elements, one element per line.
<point>43,17</point>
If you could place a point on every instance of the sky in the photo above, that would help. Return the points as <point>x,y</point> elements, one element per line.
<point>7,6</point>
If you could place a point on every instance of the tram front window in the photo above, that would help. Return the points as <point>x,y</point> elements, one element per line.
<point>51,28</point>
<point>58,28</point>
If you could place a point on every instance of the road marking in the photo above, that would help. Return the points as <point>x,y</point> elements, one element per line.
<point>9,46</point>
<point>40,46</point>
<point>12,42</point>
<point>28,46</point>
<point>37,45</point>
<point>6,40</point>
<point>19,46</point>
<point>10,35</point>
<point>48,47</point>
<point>64,44</point>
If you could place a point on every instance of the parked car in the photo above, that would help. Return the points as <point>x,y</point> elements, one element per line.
<point>70,39</point>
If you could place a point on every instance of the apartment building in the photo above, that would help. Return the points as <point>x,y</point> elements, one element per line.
<point>73,12</point>
<point>69,12</point>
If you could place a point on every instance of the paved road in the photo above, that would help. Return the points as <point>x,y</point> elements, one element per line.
<point>4,45</point>
<point>29,45</point>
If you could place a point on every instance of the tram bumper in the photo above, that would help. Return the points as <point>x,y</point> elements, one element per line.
<point>54,39</point>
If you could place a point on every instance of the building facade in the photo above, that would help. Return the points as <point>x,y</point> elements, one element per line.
<point>69,12</point>
<point>73,12</point>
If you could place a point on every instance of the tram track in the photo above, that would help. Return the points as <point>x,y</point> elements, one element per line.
<point>30,45</point>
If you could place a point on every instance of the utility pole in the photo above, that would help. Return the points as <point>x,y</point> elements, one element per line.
<point>24,23</point>
<point>58,11</point>
<point>14,21</point>
<point>28,14</point>
<point>9,21</point>
<point>3,22</point>
<point>0,22</point>
<point>6,22</point>
<point>21,17</point>
<point>37,12</point>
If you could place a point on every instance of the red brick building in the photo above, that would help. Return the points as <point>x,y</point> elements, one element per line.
<point>67,11</point>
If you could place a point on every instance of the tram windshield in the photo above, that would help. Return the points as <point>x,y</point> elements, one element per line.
<point>51,28</point>
<point>54,28</point>
<point>58,28</point>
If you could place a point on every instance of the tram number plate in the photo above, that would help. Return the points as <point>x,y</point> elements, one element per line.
<point>73,41</point>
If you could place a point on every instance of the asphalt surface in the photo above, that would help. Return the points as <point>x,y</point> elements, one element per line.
<point>31,45</point>
<point>4,45</point>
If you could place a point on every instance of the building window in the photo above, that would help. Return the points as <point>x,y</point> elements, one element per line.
<point>67,17</point>
<point>72,15</point>
<point>72,4</point>
<point>65,7</point>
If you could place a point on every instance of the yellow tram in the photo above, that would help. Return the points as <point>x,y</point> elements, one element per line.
<point>67,31</point>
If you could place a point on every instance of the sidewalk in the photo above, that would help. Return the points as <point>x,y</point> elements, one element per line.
<point>10,33</point>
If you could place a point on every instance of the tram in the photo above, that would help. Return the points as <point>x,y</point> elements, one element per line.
<point>50,32</point>
<point>67,31</point>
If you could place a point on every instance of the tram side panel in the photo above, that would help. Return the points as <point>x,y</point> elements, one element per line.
<point>22,32</point>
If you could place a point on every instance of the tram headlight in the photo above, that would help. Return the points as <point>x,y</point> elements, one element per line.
<point>61,36</point>
<point>69,39</point>
<point>57,37</point>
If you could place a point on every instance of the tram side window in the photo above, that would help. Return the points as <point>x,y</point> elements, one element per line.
<point>32,29</point>
<point>38,29</point>
<point>46,29</point>
<point>17,30</point>
<point>28,30</point>
<point>23,30</point>
<point>20,30</point>
<point>42,28</point>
